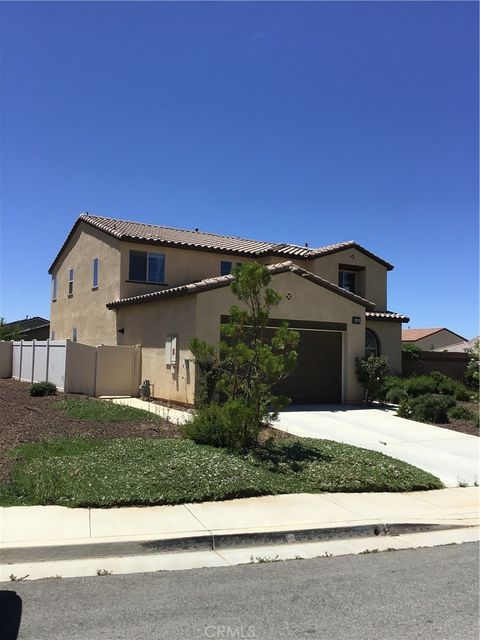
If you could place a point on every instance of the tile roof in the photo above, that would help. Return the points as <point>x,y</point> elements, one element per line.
<point>386,315</point>
<point>223,281</point>
<point>26,324</point>
<point>194,239</point>
<point>459,347</point>
<point>417,334</point>
<point>412,335</point>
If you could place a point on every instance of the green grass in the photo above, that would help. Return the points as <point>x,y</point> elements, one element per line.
<point>103,411</point>
<point>135,471</point>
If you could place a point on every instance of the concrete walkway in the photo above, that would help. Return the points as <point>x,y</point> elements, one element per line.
<point>27,529</point>
<point>453,457</point>
<point>179,416</point>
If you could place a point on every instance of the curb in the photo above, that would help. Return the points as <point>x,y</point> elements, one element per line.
<point>212,542</point>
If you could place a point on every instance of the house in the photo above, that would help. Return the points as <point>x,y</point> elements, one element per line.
<point>35,328</point>
<point>459,347</point>
<point>430,339</point>
<point>124,283</point>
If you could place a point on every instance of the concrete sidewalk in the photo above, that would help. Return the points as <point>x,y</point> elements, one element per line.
<point>179,416</point>
<point>74,540</point>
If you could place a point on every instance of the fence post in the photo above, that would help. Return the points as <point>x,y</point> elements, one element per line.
<point>34,342</point>
<point>47,358</point>
<point>20,361</point>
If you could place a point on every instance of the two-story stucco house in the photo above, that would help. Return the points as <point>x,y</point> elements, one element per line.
<point>122,283</point>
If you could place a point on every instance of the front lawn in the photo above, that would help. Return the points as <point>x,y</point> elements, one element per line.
<point>103,411</point>
<point>85,472</point>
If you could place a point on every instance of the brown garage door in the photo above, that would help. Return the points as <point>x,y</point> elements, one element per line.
<point>318,376</point>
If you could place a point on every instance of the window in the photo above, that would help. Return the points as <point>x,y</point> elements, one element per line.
<point>346,280</point>
<point>146,267</point>
<point>52,337</point>
<point>70,282</point>
<point>95,274</point>
<point>225,267</point>
<point>54,287</point>
<point>74,335</point>
<point>372,347</point>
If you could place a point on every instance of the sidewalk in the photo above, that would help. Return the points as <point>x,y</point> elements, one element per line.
<point>33,536</point>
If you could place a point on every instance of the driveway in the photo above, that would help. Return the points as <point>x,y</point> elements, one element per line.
<point>453,457</point>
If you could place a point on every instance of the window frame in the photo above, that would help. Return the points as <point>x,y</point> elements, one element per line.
<point>54,287</point>
<point>368,350</point>
<point>147,260</point>
<point>71,276</point>
<point>223,264</point>
<point>95,272</point>
<point>351,273</point>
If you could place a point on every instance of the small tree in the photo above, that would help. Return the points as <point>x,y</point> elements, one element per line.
<point>471,376</point>
<point>411,351</point>
<point>249,360</point>
<point>372,372</point>
<point>9,332</point>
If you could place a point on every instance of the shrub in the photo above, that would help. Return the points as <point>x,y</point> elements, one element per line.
<point>420,386</point>
<point>43,389</point>
<point>428,408</point>
<point>231,425</point>
<point>471,376</point>
<point>395,395</point>
<point>411,351</point>
<point>461,413</point>
<point>371,372</point>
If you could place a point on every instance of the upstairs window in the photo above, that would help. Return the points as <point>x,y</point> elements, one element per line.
<point>346,280</point>
<point>70,282</point>
<point>147,267</point>
<point>225,267</point>
<point>54,287</point>
<point>95,274</point>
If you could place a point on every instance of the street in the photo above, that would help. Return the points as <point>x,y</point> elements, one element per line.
<point>422,593</point>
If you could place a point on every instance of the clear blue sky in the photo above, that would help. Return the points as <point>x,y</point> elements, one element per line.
<point>298,122</point>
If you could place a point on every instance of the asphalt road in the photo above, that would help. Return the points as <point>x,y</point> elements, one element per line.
<point>421,593</point>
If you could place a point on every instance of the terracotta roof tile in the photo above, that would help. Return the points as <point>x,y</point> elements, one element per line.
<point>192,239</point>
<point>412,335</point>
<point>386,315</point>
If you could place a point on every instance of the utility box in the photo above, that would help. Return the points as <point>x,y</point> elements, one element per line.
<point>171,354</point>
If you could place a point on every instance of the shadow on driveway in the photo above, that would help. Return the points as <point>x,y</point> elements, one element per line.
<point>10,615</point>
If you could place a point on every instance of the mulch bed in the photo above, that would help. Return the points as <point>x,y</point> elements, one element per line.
<point>462,426</point>
<point>26,419</point>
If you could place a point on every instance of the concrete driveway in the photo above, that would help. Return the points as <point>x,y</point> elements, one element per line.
<point>453,457</point>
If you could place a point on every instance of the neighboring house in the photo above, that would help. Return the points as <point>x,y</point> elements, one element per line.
<point>35,328</point>
<point>459,347</point>
<point>117,282</point>
<point>430,339</point>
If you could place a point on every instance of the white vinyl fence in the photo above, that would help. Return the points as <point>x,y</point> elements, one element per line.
<point>73,367</point>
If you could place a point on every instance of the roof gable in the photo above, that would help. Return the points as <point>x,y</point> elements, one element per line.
<point>208,284</point>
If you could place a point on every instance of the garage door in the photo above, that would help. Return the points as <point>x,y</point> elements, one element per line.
<point>318,376</point>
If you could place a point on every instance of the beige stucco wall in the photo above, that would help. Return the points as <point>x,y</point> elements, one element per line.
<point>80,368</point>
<point>389,335</point>
<point>6,355</point>
<point>442,338</point>
<point>149,325</point>
<point>373,281</point>
<point>85,309</point>
<point>182,266</point>
<point>308,302</point>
